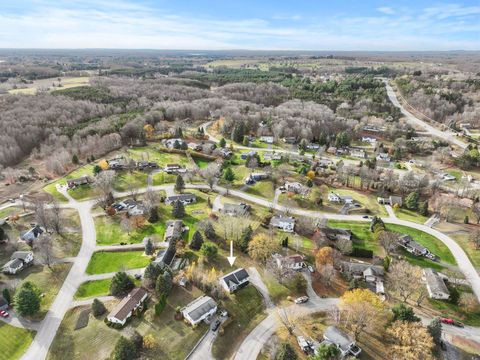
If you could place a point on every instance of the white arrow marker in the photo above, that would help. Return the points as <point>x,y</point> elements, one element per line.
<point>231,258</point>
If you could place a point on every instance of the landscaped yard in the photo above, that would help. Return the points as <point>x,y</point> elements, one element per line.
<point>106,262</point>
<point>95,288</point>
<point>409,215</point>
<point>362,236</point>
<point>80,192</point>
<point>263,189</point>
<point>467,246</point>
<point>14,341</point>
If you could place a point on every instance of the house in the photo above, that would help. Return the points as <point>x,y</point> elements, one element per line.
<point>414,248</point>
<point>285,223</point>
<point>226,153</point>
<point>73,183</point>
<point>194,146</point>
<point>235,280</point>
<point>174,169</point>
<point>341,340</point>
<point>166,256</point>
<point>142,165</point>
<point>129,304</point>
<point>391,200</point>
<point>269,156</point>
<point>313,146</point>
<point>296,188</point>
<point>137,210</point>
<point>199,309</point>
<point>447,177</point>
<point>371,274</point>
<point>369,140</point>
<point>173,143</point>
<point>236,209</point>
<point>133,207</point>
<point>19,260</point>
<point>359,153</point>
<point>337,234</point>
<point>383,157</point>
<point>332,150</point>
<point>334,197</point>
<point>266,139</point>
<point>118,163</point>
<point>32,234</point>
<point>245,156</point>
<point>294,262</point>
<point>254,177</point>
<point>290,140</point>
<point>3,304</point>
<point>435,285</point>
<point>174,230</point>
<point>185,199</point>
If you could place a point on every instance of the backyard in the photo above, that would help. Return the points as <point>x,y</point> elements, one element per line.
<point>107,262</point>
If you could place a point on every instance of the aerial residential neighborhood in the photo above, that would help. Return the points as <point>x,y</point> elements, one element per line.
<point>239,180</point>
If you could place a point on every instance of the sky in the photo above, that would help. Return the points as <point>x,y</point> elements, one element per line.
<point>367,25</point>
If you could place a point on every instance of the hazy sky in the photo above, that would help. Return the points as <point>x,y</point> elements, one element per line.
<point>241,24</point>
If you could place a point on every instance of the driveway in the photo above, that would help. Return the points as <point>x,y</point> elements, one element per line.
<point>15,320</point>
<point>256,280</point>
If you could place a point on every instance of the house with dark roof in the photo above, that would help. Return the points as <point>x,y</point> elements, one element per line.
<point>174,230</point>
<point>199,309</point>
<point>129,304</point>
<point>185,199</point>
<point>345,344</point>
<point>235,280</point>
<point>414,248</point>
<point>19,260</point>
<point>391,200</point>
<point>337,234</point>
<point>371,274</point>
<point>166,256</point>
<point>254,177</point>
<point>436,287</point>
<point>236,209</point>
<point>73,183</point>
<point>174,169</point>
<point>32,234</point>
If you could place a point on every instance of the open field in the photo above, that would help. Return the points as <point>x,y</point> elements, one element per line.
<point>46,84</point>
<point>468,247</point>
<point>106,262</point>
<point>95,288</point>
<point>13,341</point>
<point>409,215</point>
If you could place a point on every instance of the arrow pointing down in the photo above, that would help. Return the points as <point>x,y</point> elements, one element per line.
<point>231,258</point>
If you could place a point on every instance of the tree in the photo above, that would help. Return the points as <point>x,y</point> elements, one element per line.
<point>475,238</point>
<point>104,184</point>
<point>323,257</point>
<point>468,301</point>
<point>98,308</point>
<point>229,175</point>
<point>286,352</point>
<point>149,341</point>
<point>121,284</point>
<point>44,246</point>
<point>411,341</point>
<point>362,311</point>
<point>326,352</point>
<point>423,208</point>
<point>179,184</point>
<point>402,312</point>
<point>6,296</point>
<point>476,211</point>
<point>137,340</point>
<point>209,250</point>
<point>222,143</point>
<point>75,159</point>
<point>164,283</point>
<point>435,330</point>
<point>153,215</point>
<point>209,231</point>
<point>197,241</point>
<point>149,247</point>
<point>405,279</point>
<point>261,247</point>
<point>178,210</point>
<point>245,238</point>
<point>210,173</point>
<point>411,201</point>
<point>125,349</point>
<point>388,240</point>
<point>27,299</point>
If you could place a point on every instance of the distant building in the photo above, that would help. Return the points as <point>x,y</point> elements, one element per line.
<point>174,169</point>
<point>236,209</point>
<point>345,199</point>
<point>435,285</point>
<point>174,230</point>
<point>185,199</point>
<point>371,274</point>
<point>226,153</point>
<point>383,157</point>
<point>194,146</point>
<point>73,183</point>
<point>254,177</point>
<point>235,280</point>
<point>359,153</point>
<point>170,143</point>
<point>414,248</point>
<point>32,234</point>
<point>125,308</point>
<point>290,140</point>
<point>391,200</point>
<point>369,140</point>
<point>142,165</point>
<point>266,139</point>
<point>295,187</point>
<point>244,156</point>
<point>337,234</point>
<point>285,223</point>
<point>199,309</point>
<point>294,262</point>
<point>341,340</point>
<point>270,156</point>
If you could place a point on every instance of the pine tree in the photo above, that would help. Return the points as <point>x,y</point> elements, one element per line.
<point>164,283</point>
<point>411,201</point>
<point>222,143</point>
<point>178,210</point>
<point>210,231</point>
<point>7,296</point>
<point>153,215</point>
<point>423,208</point>
<point>286,352</point>
<point>98,308</point>
<point>75,159</point>
<point>149,247</point>
<point>197,241</point>
<point>435,330</point>
<point>178,132</point>
<point>245,238</point>
<point>179,184</point>
<point>27,299</point>
<point>121,284</point>
<point>229,174</point>
<point>124,350</point>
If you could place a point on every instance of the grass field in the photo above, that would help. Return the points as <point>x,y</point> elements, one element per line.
<point>95,288</point>
<point>161,178</point>
<point>14,341</point>
<point>125,179</point>
<point>80,192</point>
<point>409,215</point>
<point>201,163</point>
<point>106,262</point>
<point>467,246</point>
<point>369,201</point>
<point>246,309</point>
<point>263,189</point>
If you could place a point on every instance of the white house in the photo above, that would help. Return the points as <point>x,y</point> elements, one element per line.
<point>383,157</point>
<point>18,261</point>
<point>294,262</point>
<point>359,153</point>
<point>369,140</point>
<point>341,340</point>
<point>174,169</point>
<point>125,308</point>
<point>199,309</point>
<point>170,143</point>
<point>234,280</point>
<point>266,139</point>
<point>333,197</point>
<point>435,285</point>
<point>185,199</point>
<point>285,223</point>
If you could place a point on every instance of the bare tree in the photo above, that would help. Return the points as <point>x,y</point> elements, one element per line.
<point>44,246</point>
<point>54,217</point>
<point>388,240</point>
<point>126,224</point>
<point>104,183</point>
<point>150,199</point>
<point>405,279</point>
<point>210,173</point>
<point>282,273</point>
<point>476,211</point>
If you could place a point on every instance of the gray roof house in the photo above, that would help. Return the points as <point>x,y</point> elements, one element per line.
<point>435,285</point>
<point>166,256</point>
<point>186,198</point>
<point>235,280</point>
<point>337,234</point>
<point>18,261</point>
<point>286,223</point>
<point>125,308</point>
<point>199,309</point>
<point>236,209</point>
<point>32,234</point>
<point>344,343</point>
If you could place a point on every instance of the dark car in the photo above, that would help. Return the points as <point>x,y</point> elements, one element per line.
<point>215,325</point>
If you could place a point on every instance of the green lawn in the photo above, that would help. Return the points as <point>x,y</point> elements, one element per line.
<point>163,178</point>
<point>456,312</point>
<point>106,262</point>
<point>246,309</point>
<point>368,200</point>
<point>151,153</point>
<point>14,341</point>
<point>363,237</point>
<point>201,163</point>
<point>263,189</point>
<point>80,192</point>
<point>410,215</point>
<point>95,288</point>
<point>125,179</point>
<point>464,242</point>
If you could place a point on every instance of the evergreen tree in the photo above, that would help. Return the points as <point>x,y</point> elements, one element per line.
<point>286,352</point>
<point>423,208</point>
<point>435,330</point>
<point>7,296</point>
<point>197,241</point>
<point>327,352</point>
<point>179,184</point>
<point>164,283</point>
<point>210,231</point>
<point>178,210</point>
<point>121,284</point>
<point>27,300</point>
<point>137,340</point>
<point>245,141</point>
<point>403,312</point>
<point>98,308</point>
<point>153,215</point>
<point>411,201</point>
<point>75,159</point>
<point>245,238</point>
<point>97,169</point>
<point>178,132</point>
<point>2,234</point>
<point>229,174</point>
<point>222,143</point>
<point>124,350</point>
<point>149,247</point>
<point>209,250</point>
<point>176,145</point>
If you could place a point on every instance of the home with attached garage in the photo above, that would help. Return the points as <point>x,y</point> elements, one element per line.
<point>129,304</point>
<point>185,199</point>
<point>174,169</point>
<point>254,177</point>
<point>236,209</point>
<point>334,197</point>
<point>173,143</point>
<point>174,230</point>
<point>235,280</point>
<point>19,260</point>
<point>344,343</point>
<point>337,234</point>
<point>266,139</point>
<point>436,287</point>
<point>391,200</point>
<point>285,223</point>
<point>372,275</point>
<point>84,180</point>
<point>199,309</point>
<point>32,234</point>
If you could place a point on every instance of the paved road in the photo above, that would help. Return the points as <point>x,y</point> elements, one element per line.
<point>412,119</point>
<point>256,280</point>
<point>46,333</point>
<point>15,320</point>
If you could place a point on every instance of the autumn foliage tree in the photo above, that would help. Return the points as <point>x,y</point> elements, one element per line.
<point>411,341</point>
<point>261,247</point>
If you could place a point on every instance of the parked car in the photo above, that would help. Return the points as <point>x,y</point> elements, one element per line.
<point>365,216</point>
<point>449,321</point>
<point>216,325</point>
<point>310,268</point>
<point>301,300</point>
<point>4,314</point>
<point>223,313</point>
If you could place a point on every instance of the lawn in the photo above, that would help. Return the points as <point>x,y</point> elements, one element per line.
<point>456,312</point>
<point>263,189</point>
<point>368,200</point>
<point>126,179</point>
<point>95,288</point>
<point>246,309</point>
<point>409,215</point>
<point>201,163</point>
<point>106,262</point>
<point>465,243</point>
<point>277,291</point>
<point>362,236</point>
<point>80,192</point>
<point>14,341</point>
<point>161,178</point>
<point>151,153</point>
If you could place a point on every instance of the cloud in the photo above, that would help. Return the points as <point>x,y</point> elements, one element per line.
<point>386,10</point>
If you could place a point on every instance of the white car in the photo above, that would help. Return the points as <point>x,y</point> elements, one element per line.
<point>301,300</point>
<point>310,268</point>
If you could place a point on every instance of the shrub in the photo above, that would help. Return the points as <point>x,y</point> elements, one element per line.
<point>121,284</point>
<point>162,302</point>
<point>359,252</point>
<point>98,308</point>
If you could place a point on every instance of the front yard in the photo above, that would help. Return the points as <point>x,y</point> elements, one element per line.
<point>14,341</point>
<point>106,262</point>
